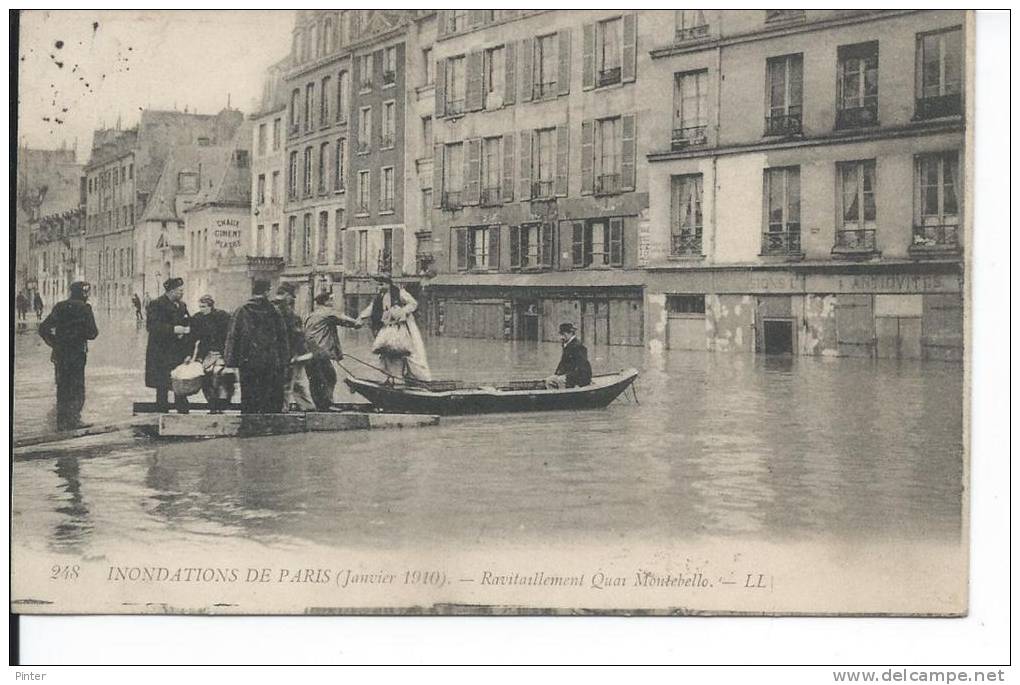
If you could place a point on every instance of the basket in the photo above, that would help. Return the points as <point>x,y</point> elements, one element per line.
<point>186,379</point>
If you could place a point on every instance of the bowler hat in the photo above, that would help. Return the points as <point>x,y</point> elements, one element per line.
<point>567,327</point>
<point>171,283</point>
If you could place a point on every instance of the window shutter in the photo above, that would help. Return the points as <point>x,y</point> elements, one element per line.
<point>578,243</point>
<point>515,247</point>
<point>524,152</point>
<point>562,159</point>
<point>462,248</point>
<point>440,78</point>
<point>508,168</point>
<point>629,70</point>
<point>588,57</point>
<point>397,253</point>
<point>441,22</point>
<point>494,247</point>
<point>377,67</point>
<point>616,241</point>
<point>473,96</point>
<point>548,231</point>
<point>349,238</point>
<point>437,176</point>
<point>510,82</point>
<point>587,157</point>
<point>473,171</point>
<point>627,166</point>
<point>563,78</point>
<point>527,56</point>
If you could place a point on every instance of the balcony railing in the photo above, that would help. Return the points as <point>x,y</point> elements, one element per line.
<point>366,84</point>
<point>490,197</point>
<point>362,147</point>
<point>937,236</point>
<point>541,189</point>
<point>293,130</point>
<point>384,261</point>
<point>691,33</point>
<point>606,184</point>
<point>386,204</point>
<point>689,136</point>
<point>387,141</point>
<point>855,240</point>
<point>363,209</point>
<point>389,78</point>
<point>782,242</point>
<point>939,106</point>
<point>608,77</point>
<point>784,124</point>
<point>322,257</point>
<point>545,89</point>
<point>857,117</point>
<point>686,243</point>
<point>451,200</point>
<point>455,106</point>
<point>423,263</point>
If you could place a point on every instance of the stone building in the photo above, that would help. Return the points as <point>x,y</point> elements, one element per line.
<point>57,253</point>
<point>806,175</point>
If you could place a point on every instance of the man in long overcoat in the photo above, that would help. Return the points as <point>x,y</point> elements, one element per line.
<point>574,369</point>
<point>168,324</point>
<point>67,330</point>
<point>258,346</point>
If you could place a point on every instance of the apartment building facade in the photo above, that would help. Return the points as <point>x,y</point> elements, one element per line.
<point>540,208</point>
<point>57,248</point>
<point>806,176</point>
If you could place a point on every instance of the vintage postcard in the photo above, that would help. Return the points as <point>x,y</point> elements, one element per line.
<point>492,312</point>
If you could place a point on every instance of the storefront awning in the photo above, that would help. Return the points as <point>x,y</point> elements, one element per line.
<point>549,279</point>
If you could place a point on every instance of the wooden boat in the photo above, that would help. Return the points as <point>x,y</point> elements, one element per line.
<point>454,397</point>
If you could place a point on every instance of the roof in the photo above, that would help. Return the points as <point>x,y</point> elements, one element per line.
<point>549,279</point>
<point>207,161</point>
<point>229,181</point>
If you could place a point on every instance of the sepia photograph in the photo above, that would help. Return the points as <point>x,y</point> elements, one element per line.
<point>491,312</point>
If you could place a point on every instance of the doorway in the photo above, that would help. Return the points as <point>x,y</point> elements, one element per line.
<point>777,335</point>
<point>527,325</point>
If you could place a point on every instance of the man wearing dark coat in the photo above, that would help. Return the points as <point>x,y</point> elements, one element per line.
<point>258,346</point>
<point>209,329</point>
<point>67,330</point>
<point>168,324</point>
<point>37,304</point>
<point>574,370</point>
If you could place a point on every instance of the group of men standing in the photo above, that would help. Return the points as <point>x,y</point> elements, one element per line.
<point>22,302</point>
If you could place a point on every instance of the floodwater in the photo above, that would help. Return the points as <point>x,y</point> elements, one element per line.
<point>717,446</point>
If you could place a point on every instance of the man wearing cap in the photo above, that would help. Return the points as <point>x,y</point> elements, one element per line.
<point>323,337</point>
<point>257,345</point>
<point>209,329</point>
<point>169,344</point>
<point>573,371</point>
<point>67,330</point>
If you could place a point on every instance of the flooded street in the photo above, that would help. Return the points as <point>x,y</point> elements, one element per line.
<point>720,446</point>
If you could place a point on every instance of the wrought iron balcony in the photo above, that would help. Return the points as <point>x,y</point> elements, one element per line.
<point>541,189</point>
<point>784,124</point>
<point>857,117</point>
<point>452,200</point>
<point>780,242</point>
<point>385,261</point>
<point>455,106</point>
<point>386,204</point>
<point>363,209</point>
<point>686,243</point>
<point>607,184</point>
<point>294,130</point>
<point>608,77</point>
<point>490,197</point>
<point>322,257</point>
<point>387,141</point>
<point>545,89</point>
<point>940,106</point>
<point>855,240</point>
<point>689,136</point>
<point>389,78</point>
<point>363,147</point>
<point>365,84</point>
<point>937,236</point>
<point>424,263</point>
<point>691,33</point>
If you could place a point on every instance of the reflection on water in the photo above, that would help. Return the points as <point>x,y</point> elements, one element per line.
<point>720,445</point>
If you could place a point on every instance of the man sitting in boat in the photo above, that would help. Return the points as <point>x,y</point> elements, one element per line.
<point>573,371</point>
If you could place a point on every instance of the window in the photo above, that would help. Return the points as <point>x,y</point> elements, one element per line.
<point>386,200</point>
<point>292,174</point>
<point>323,167</point>
<point>690,109</point>
<point>274,188</point>
<point>260,238</point>
<point>937,202</point>
<point>453,175</point>
<point>784,80</point>
<point>262,139</point>
<point>339,160</point>
<point>365,130</point>
<point>342,86</point>
<point>261,190</point>
<point>309,105</point>
<point>426,132</point>
<point>131,171</point>
<point>389,76</point>
<point>276,136</point>
<point>187,182</point>
<point>608,42</point>
<point>685,304</point>
<point>329,35</point>
<point>457,19</point>
<point>478,248</point>
<point>361,252</point>
<point>490,173</point>
<point>544,163</point>
<point>608,153</point>
<point>856,227</point>
<point>690,24</point>
<point>426,209</point>
<point>857,88</point>
<point>291,239</point>
<point>428,67</point>
<point>324,100</point>
<point>494,77</point>
<point>939,74</point>
<point>365,72</point>
<point>307,186</point>
<point>597,242</point>
<point>455,85</point>
<point>364,190</point>
<point>385,263</point>
<point>782,211</point>
<point>295,111</point>
<point>274,244</point>
<point>322,256</point>
<point>531,246</point>
<point>546,65</point>
<point>306,240</point>
<point>338,236</point>
<point>685,236</point>
<point>389,124</point>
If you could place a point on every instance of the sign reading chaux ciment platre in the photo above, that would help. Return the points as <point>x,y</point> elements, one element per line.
<point>491,311</point>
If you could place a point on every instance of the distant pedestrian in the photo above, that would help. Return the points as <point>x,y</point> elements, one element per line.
<point>296,388</point>
<point>209,329</point>
<point>37,304</point>
<point>21,304</point>
<point>138,308</point>
<point>258,347</point>
<point>169,344</point>
<point>323,336</point>
<point>67,330</point>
